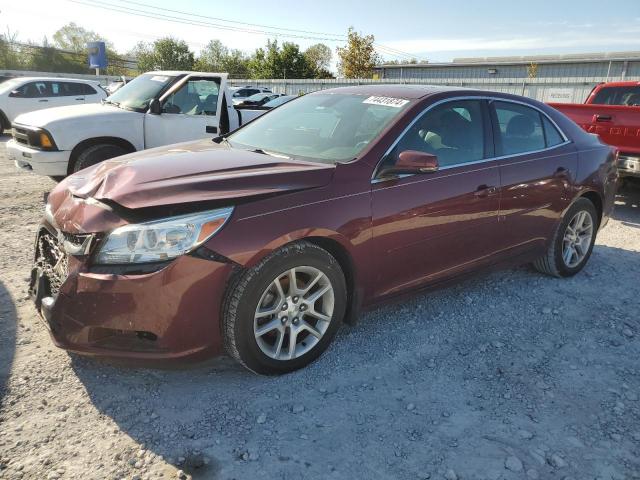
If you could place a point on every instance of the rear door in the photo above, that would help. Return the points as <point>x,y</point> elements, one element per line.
<point>190,110</point>
<point>537,167</point>
<point>436,225</point>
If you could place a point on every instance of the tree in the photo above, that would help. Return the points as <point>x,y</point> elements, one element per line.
<point>216,57</point>
<point>163,54</point>
<point>74,38</point>
<point>212,57</point>
<point>318,58</point>
<point>358,57</point>
<point>276,62</point>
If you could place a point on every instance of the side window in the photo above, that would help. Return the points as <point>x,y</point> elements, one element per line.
<point>87,89</point>
<point>551,133</point>
<point>56,89</point>
<point>199,96</point>
<point>453,131</point>
<point>519,128</point>
<point>72,88</point>
<point>34,90</point>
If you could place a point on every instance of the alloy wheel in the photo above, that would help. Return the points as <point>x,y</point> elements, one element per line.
<point>293,313</point>
<point>577,239</point>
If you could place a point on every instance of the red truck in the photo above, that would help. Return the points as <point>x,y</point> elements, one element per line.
<point>612,111</point>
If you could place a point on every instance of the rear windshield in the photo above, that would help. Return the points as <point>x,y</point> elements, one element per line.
<point>629,96</point>
<point>328,128</point>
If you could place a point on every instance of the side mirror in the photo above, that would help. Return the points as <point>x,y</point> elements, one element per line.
<point>154,107</point>
<point>15,93</point>
<point>412,162</point>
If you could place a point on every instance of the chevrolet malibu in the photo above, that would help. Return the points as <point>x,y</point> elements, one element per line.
<point>264,241</point>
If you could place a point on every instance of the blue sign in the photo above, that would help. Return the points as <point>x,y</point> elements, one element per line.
<point>97,55</point>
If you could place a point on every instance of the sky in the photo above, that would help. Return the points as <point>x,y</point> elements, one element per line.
<point>427,30</point>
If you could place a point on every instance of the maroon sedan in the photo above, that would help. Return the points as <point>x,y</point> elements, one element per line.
<point>263,242</point>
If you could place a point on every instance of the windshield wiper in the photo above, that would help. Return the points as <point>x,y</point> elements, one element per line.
<point>110,102</point>
<point>271,154</point>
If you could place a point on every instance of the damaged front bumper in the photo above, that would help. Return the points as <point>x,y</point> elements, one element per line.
<point>151,312</point>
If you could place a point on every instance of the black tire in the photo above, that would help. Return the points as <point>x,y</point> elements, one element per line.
<point>57,179</point>
<point>552,262</point>
<point>96,154</point>
<point>244,293</point>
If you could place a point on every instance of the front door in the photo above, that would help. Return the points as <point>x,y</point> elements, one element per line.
<point>431,226</point>
<point>190,111</point>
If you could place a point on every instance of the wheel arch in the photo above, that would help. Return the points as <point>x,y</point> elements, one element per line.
<point>4,120</point>
<point>334,243</point>
<point>595,198</point>
<point>89,142</point>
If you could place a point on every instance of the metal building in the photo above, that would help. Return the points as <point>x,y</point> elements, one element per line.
<point>549,78</point>
<point>546,77</point>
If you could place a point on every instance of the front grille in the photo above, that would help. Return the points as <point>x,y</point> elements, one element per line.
<point>21,135</point>
<point>52,261</point>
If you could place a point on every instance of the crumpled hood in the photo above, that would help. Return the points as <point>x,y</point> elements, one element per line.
<point>192,172</point>
<point>61,115</point>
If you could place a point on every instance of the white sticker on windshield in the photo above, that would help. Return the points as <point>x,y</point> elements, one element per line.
<point>159,78</point>
<point>387,101</point>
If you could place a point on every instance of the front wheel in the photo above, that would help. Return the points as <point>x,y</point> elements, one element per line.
<point>96,154</point>
<point>283,313</point>
<point>572,243</point>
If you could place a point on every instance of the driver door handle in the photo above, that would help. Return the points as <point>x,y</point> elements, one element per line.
<point>484,191</point>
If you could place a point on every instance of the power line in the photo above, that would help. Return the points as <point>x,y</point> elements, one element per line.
<point>198,23</point>
<point>159,16</point>
<point>270,27</point>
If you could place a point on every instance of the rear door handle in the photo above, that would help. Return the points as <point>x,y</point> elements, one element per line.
<point>211,129</point>
<point>603,118</point>
<point>80,98</point>
<point>43,100</point>
<point>484,191</point>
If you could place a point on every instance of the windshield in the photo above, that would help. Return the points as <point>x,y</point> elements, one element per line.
<point>329,128</point>
<point>138,92</point>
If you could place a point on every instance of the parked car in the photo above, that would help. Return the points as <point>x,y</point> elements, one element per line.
<point>263,242</point>
<point>242,93</point>
<point>281,100</point>
<point>154,109</point>
<point>26,94</point>
<point>612,111</point>
<point>259,99</point>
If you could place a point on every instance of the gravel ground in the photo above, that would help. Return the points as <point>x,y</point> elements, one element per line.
<point>511,375</point>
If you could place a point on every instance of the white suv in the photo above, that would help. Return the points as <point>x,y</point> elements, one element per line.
<point>26,94</point>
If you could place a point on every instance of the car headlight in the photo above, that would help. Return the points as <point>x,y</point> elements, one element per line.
<point>161,240</point>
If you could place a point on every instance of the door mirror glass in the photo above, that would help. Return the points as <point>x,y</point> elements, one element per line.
<point>154,107</point>
<point>412,162</point>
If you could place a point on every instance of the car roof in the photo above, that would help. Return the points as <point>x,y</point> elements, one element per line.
<point>54,79</point>
<point>409,92</point>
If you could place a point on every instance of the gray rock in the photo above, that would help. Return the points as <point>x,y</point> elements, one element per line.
<point>513,463</point>
<point>556,461</point>
<point>533,474</point>
<point>297,408</point>
<point>450,474</point>
<point>261,418</point>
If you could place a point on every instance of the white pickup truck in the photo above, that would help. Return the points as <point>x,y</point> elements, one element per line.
<point>154,109</point>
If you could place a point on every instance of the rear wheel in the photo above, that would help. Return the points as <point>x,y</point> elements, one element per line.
<point>572,243</point>
<point>96,154</point>
<point>282,314</point>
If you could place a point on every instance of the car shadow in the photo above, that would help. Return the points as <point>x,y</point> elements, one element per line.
<point>8,327</point>
<point>627,209</point>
